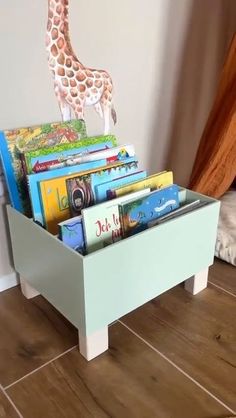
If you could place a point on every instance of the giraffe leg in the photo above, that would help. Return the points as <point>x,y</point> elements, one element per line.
<point>65,108</point>
<point>98,109</point>
<point>106,113</point>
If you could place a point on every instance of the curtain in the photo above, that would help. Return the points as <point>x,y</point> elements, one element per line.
<point>214,168</point>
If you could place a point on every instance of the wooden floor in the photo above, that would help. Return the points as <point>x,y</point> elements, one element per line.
<point>175,357</point>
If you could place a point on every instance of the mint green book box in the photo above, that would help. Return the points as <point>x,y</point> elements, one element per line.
<point>99,288</point>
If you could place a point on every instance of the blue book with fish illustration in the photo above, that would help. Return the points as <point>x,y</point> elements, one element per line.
<point>102,189</point>
<point>71,233</point>
<point>136,214</point>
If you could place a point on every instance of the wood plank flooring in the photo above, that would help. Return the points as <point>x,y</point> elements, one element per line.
<point>32,333</point>
<point>223,275</point>
<point>175,357</point>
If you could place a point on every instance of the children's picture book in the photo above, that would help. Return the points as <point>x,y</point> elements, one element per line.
<point>182,210</point>
<point>50,204</point>
<point>101,189</point>
<point>58,177</point>
<point>102,224</point>
<point>155,181</point>
<point>136,214</point>
<point>109,154</point>
<point>72,234</point>
<point>16,141</point>
<point>64,154</point>
<point>81,189</point>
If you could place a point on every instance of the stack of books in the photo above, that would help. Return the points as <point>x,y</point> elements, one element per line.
<point>89,191</point>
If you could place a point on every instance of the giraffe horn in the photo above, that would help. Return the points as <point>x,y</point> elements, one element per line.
<point>113,115</point>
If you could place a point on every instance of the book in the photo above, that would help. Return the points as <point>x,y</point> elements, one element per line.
<point>101,189</point>
<point>71,233</point>
<point>16,141</point>
<point>51,204</point>
<point>102,224</point>
<point>136,214</point>
<point>155,181</point>
<point>64,154</point>
<point>182,210</point>
<point>34,181</point>
<point>81,189</point>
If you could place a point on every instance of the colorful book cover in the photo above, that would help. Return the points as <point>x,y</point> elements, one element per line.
<point>136,214</point>
<point>16,141</point>
<point>50,203</point>
<point>71,233</point>
<point>101,189</point>
<point>156,181</point>
<point>81,189</point>
<point>61,155</point>
<point>102,224</point>
<point>57,178</point>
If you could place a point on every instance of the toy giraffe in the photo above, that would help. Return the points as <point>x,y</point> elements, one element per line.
<point>76,86</point>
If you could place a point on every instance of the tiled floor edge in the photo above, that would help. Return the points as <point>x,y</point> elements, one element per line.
<point>11,402</point>
<point>39,368</point>
<point>178,368</point>
<point>222,288</point>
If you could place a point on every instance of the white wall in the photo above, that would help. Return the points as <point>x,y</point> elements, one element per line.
<point>164,57</point>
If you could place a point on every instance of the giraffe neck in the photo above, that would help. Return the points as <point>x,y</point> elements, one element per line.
<point>58,38</point>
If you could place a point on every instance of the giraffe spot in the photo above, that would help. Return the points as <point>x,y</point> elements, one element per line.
<point>75,66</point>
<point>109,88</point>
<point>60,43</point>
<point>68,62</point>
<point>89,82</point>
<point>82,88</point>
<point>73,83</point>
<point>97,75</point>
<point>70,73</point>
<point>89,73</point>
<point>61,59</point>
<point>98,83</point>
<point>50,14</point>
<point>80,109</point>
<point>67,51</point>
<point>49,25</point>
<point>48,40</point>
<point>52,62</point>
<point>56,20</point>
<point>61,71</point>
<point>73,92</point>
<point>106,96</point>
<point>69,99</point>
<point>54,34</point>
<point>80,76</point>
<point>81,96</point>
<point>94,91</point>
<point>106,75</point>
<point>54,50</point>
<point>59,9</point>
<point>77,101</point>
<point>62,28</point>
<point>65,82</point>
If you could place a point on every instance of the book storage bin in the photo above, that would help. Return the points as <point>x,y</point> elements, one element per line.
<point>94,290</point>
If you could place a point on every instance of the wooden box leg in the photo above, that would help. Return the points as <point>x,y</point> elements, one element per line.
<point>93,345</point>
<point>28,291</point>
<point>197,283</point>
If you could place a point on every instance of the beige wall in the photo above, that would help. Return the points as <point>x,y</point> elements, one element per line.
<point>164,57</point>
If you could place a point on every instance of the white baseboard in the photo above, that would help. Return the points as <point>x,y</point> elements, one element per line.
<point>8,281</point>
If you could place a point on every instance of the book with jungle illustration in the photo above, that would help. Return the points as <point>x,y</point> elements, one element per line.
<point>102,224</point>
<point>16,141</point>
